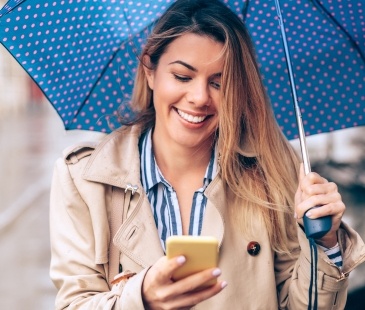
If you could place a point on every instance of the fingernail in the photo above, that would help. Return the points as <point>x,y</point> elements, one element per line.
<point>308,214</point>
<point>216,272</point>
<point>181,260</point>
<point>224,284</point>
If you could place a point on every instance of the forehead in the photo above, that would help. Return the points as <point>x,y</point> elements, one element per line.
<point>196,50</point>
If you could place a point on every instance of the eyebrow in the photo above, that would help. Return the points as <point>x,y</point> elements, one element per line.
<point>184,64</point>
<point>190,67</point>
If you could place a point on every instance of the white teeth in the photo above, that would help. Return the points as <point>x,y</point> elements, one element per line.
<point>191,118</point>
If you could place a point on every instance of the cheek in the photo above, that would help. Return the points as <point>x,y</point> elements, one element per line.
<point>215,123</point>
<point>217,102</point>
<point>167,91</point>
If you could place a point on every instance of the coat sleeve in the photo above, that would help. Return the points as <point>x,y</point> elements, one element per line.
<point>81,282</point>
<point>293,272</point>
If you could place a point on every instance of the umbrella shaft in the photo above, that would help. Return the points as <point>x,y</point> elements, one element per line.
<point>303,145</point>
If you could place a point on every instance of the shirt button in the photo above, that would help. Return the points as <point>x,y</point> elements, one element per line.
<point>253,248</point>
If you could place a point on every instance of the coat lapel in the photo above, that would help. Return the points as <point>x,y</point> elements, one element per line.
<point>138,237</point>
<point>213,223</point>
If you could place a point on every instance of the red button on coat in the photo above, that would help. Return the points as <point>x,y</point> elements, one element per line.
<point>253,248</point>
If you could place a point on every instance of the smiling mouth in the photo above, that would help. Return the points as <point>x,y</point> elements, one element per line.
<point>191,118</point>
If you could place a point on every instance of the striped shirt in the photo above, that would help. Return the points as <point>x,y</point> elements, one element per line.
<point>334,254</point>
<point>163,198</point>
<point>164,201</point>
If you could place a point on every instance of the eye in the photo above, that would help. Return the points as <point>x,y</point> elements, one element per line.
<point>182,78</point>
<point>215,85</point>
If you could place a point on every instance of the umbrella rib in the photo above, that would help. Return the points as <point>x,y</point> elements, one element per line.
<point>101,75</point>
<point>330,17</point>
<point>7,9</point>
<point>298,115</point>
<point>245,9</point>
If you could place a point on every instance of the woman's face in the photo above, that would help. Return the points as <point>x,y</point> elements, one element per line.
<point>186,91</point>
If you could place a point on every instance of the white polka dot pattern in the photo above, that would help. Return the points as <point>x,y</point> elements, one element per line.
<point>83,54</point>
<point>329,72</point>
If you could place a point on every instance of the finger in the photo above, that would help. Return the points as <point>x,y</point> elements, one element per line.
<point>195,297</point>
<point>174,264</point>
<point>164,268</point>
<point>195,281</point>
<point>156,285</point>
<point>188,292</point>
<point>312,178</point>
<point>329,204</point>
<point>335,210</point>
<point>304,182</point>
<point>298,193</point>
<point>320,189</point>
<point>301,172</point>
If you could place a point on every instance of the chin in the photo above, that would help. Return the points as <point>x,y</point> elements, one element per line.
<point>192,141</point>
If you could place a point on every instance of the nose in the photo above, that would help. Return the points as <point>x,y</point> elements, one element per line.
<point>199,94</point>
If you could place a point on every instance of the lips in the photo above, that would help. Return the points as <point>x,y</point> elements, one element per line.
<point>191,118</point>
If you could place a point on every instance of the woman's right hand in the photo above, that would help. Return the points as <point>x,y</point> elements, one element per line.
<point>160,292</point>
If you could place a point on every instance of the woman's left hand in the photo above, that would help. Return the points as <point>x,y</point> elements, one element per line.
<point>314,190</point>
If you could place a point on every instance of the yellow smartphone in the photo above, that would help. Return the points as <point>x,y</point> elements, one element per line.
<point>201,252</point>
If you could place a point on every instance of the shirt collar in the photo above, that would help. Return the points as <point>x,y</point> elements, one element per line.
<point>150,173</point>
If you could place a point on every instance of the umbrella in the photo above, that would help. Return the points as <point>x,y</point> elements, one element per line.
<point>83,55</point>
<point>326,40</point>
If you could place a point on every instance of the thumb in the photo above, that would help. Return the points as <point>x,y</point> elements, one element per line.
<point>301,172</point>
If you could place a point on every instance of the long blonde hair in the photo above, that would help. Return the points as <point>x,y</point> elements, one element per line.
<point>264,181</point>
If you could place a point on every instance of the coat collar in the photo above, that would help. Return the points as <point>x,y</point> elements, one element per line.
<point>115,161</point>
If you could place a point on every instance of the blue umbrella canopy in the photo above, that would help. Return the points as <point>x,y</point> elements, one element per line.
<point>327,45</point>
<point>84,54</point>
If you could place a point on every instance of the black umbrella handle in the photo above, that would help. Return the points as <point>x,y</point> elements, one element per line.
<point>317,228</point>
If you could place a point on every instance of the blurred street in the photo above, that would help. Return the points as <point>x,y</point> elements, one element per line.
<point>30,142</point>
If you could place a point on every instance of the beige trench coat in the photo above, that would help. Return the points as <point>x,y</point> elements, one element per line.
<point>86,183</point>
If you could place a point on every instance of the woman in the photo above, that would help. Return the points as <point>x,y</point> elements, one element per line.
<point>204,157</point>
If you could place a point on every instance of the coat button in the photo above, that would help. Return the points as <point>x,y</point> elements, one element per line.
<point>253,248</point>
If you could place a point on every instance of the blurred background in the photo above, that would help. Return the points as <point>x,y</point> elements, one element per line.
<point>32,137</point>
